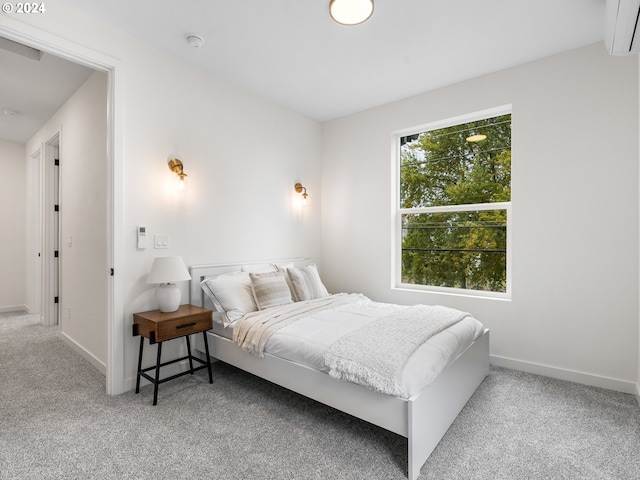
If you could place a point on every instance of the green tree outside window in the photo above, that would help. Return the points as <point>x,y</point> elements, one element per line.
<point>445,243</point>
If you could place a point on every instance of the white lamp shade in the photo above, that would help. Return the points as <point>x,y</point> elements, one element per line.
<point>168,270</point>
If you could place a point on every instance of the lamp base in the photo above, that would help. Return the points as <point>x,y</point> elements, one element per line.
<point>168,296</point>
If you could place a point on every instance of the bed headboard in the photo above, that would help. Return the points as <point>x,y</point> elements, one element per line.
<point>200,272</point>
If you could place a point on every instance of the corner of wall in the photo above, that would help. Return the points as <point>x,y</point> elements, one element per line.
<point>86,354</point>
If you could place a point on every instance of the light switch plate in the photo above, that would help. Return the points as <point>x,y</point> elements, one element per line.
<point>161,240</point>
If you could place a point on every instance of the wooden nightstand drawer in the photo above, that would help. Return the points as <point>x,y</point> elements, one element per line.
<point>158,326</point>
<point>183,326</point>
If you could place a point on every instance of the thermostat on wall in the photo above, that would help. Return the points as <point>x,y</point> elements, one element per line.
<point>142,236</point>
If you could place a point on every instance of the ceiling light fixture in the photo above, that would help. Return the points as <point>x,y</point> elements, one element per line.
<point>350,12</point>
<point>9,112</point>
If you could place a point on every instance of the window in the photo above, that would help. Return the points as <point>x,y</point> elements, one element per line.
<point>453,205</point>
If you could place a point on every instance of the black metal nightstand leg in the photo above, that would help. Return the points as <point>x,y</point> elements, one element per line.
<point>139,364</point>
<point>189,353</point>
<point>155,387</point>
<point>206,350</point>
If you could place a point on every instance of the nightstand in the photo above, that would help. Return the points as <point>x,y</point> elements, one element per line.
<point>159,327</point>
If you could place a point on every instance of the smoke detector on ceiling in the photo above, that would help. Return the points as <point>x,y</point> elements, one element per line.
<point>194,41</point>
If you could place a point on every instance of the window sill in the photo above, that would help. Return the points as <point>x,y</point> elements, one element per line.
<point>457,292</point>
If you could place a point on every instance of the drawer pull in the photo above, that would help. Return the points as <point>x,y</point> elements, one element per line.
<point>186,325</point>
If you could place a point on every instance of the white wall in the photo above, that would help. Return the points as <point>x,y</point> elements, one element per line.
<point>574,308</point>
<point>13,254</point>
<point>242,154</point>
<point>575,115</point>
<point>82,123</point>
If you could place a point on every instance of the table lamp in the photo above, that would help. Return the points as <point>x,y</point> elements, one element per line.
<point>165,271</point>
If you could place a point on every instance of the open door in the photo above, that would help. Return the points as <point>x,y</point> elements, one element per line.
<point>51,237</point>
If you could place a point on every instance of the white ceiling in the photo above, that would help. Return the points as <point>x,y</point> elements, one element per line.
<point>290,51</point>
<point>35,90</point>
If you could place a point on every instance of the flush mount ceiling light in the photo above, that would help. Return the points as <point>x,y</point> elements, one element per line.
<point>350,12</point>
<point>9,112</point>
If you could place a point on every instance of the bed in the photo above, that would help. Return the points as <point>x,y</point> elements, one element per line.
<point>421,414</point>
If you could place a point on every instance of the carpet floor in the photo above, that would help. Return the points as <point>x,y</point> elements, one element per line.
<point>56,422</point>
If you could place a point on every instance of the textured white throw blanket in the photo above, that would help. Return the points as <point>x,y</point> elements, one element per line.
<point>374,355</point>
<point>253,330</point>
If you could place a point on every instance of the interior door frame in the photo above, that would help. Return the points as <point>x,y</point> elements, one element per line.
<point>55,45</point>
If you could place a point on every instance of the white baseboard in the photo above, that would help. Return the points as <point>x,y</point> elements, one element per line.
<point>14,308</point>
<point>92,359</point>
<point>638,393</point>
<point>568,375</point>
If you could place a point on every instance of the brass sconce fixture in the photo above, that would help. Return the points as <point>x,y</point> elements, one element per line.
<point>300,189</point>
<point>175,165</point>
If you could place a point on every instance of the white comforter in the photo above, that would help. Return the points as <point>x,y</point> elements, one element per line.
<point>306,340</point>
<point>375,355</point>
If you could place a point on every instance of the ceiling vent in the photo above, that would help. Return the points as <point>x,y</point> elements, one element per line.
<point>621,30</point>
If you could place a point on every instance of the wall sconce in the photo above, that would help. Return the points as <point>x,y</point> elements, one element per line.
<point>300,189</point>
<point>350,12</point>
<point>175,165</point>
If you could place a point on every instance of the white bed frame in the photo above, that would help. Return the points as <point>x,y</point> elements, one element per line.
<point>423,418</point>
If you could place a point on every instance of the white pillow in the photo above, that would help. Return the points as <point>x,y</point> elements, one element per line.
<point>270,289</point>
<point>231,292</point>
<point>305,283</point>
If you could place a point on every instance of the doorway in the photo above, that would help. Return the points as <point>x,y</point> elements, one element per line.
<point>113,180</point>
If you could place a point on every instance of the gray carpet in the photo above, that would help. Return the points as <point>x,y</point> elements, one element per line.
<point>56,422</point>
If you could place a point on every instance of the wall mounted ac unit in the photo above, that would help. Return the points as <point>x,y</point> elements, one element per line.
<point>621,29</point>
